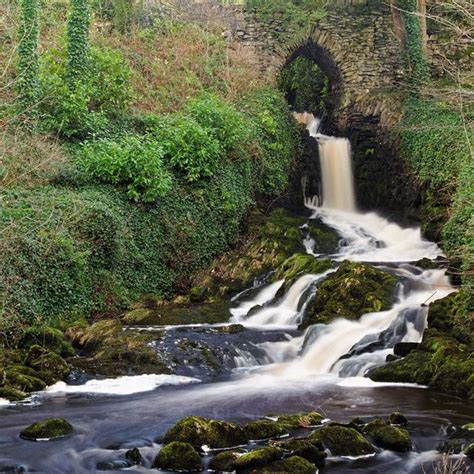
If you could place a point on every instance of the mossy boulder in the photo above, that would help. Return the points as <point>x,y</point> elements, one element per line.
<point>223,462</point>
<point>259,458</point>
<point>469,451</point>
<point>392,438</point>
<point>353,290</point>
<point>22,378</point>
<point>200,431</point>
<point>49,429</point>
<point>133,456</point>
<point>299,420</point>
<point>312,451</point>
<point>47,337</point>
<point>396,418</point>
<point>231,329</point>
<point>373,425</point>
<point>342,441</point>
<point>51,367</point>
<point>263,429</point>
<point>468,427</point>
<point>12,394</point>
<point>178,456</point>
<point>291,465</point>
<point>300,264</point>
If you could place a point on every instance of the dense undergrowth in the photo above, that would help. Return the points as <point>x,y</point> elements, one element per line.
<point>135,174</point>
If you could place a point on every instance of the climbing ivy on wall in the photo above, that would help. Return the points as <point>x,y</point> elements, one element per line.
<point>77,42</point>
<point>415,54</point>
<point>28,84</point>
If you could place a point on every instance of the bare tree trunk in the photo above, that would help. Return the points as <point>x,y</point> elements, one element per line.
<point>397,22</point>
<point>422,13</point>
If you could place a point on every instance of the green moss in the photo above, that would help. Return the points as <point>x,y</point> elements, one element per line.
<point>469,451</point>
<point>343,441</point>
<point>223,462</point>
<point>258,458</point>
<point>50,338</point>
<point>22,378</point>
<point>294,465</point>
<point>51,367</point>
<point>300,420</point>
<point>231,329</point>
<point>178,456</point>
<point>396,418</point>
<point>200,431</point>
<point>369,428</point>
<point>50,428</point>
<point>299,264</point>
<point>353,290</point>
<point>468,427</point>
<point>263,429</point>
<point>392,438</point>
<point>310,450</point>
<point>12,394</point>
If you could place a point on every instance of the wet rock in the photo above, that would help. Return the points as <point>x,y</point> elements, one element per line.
<point>402,349</point>
<point>300,264</point>
<point>392,438</point>
<point>200,431</point>
<point>178,456</point>
<point>353,290</point>
<point>49,429</point>
<point>231,329</point>
<point>373,425</point>
<point>291,465</point>
<point>258,458</point>
<point>312,451</point>
<point>263,429</point>
<point>343,441</point>
<point>223,462</point>
<point>133,456</point>
<point>396,418</point>
<point>114,465</point>
<point>469,451</point>
<point>299,420</point>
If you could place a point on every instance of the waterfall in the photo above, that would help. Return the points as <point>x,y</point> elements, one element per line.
<point>336,166</point>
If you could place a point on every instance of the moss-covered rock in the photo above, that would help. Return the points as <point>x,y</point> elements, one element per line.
<point>12,394</point>
<point>342,441</point>
<point>263,429</point>
<point>468,427</point>
<point>50,367</point>
<point>258,458</point>
<point>300,264</point>
<point>312,451</point>
<point>373,425</point>
<point>353,290</point>
<point>299,420</point>
<point>396,418</point>
<point>231,329</point>
<point>49,429</point>
<point>133,456</point>
<point>178,456</point>
<point>22,378</point>
<point>469,451</point>
<point>200,431</point>
<point>107,349</point>
<point>291,465</point>
<point>223,462</point>
<point>47,337</point>
<point>392,438</point>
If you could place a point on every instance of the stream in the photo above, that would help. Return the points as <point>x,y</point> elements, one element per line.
<point>271,367</point>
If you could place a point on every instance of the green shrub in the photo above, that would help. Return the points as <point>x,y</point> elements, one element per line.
<point>88,108</point>
<point>226,124</point>
<point>131,161</point>
<point>189,147</point>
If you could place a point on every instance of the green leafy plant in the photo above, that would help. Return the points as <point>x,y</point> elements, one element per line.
<point>132,161</point>
<point>28,34</point>
<point>88,108</point>
<point>77,68</point>
<point>189,147</point>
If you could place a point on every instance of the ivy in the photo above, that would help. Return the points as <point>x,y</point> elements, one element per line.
<point>28,68</point>
<point>415,54</point>
<point>77,43</point>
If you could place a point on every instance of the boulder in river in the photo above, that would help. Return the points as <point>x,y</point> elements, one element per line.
<point>133,456</point>
<point>353,290</point>
<point>396,418</point>
<point>263,429</point>
<point>259,458</point>
<point>310,450</point>
<point>392,438</point>
<point>299,420</point>
<point>224,461</point>
<point>48,429</point>
<point>342,441</point>
<point>469,451</point>
<point>200,432</point>
<point>178,456</point>
<point>293,465</point>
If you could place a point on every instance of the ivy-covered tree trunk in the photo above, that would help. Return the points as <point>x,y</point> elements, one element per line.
<point>77,43</point>
<point>28,69</point>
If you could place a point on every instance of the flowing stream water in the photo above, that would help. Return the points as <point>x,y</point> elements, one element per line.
<point>270,367</point>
